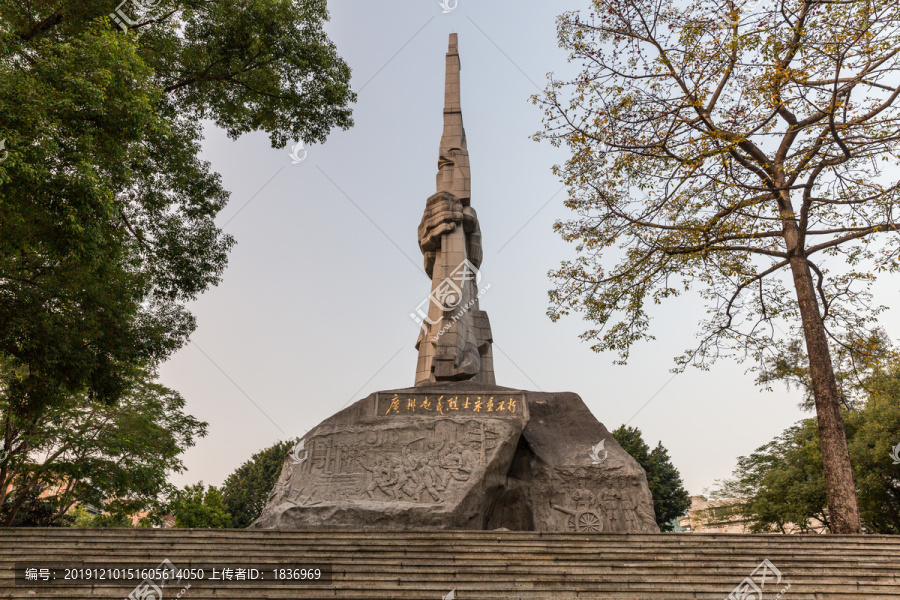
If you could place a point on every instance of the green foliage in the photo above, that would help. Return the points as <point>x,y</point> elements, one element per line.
<point>783,480</point>
<point>32,510</point>
<point>71,282</point>
<point>670,499</point>
<point>112,520</point>
<point>81,517</point>
<point>632,441</point>
<point>856,361</point>
<point>107,213</point>
<point>873,431</point>
<point>117,457</point>
<point>253,65</point>
<point>107,220</point>
<point>246,489</point>
<point>195,506</point>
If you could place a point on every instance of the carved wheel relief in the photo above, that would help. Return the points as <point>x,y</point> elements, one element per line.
<point>584,516</point>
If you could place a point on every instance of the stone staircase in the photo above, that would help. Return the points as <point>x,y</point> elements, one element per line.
<point>482,565</point>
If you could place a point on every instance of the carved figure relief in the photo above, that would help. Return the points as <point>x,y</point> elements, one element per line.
<point>402,464</point>
<point>585,516</point>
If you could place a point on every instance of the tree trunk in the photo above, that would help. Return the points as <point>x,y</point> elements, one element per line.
<point>18,503</point>
<point>843,511</point>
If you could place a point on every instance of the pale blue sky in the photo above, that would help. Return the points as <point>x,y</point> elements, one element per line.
<point>313,310</point>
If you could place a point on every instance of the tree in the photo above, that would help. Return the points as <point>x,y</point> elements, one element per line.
<point>874,432</point>
<point>783,481</point>
<point>116,458</point>
<point>741,154</point>
<point>245,491</point>
<point>670,499</point>
<point>195,506</point>
<point>106,212</point>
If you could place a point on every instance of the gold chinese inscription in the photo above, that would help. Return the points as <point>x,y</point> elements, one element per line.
<point>448,405</point>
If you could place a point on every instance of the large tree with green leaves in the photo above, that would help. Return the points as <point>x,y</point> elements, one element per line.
<point>114,457</point>
<point>741,152</point>
<point>106,212</point>
<point>782,482</point>
<point>670,499</point>
<point>245,491</point>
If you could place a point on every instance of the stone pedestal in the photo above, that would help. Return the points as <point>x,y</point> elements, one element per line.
<point>463,455</point>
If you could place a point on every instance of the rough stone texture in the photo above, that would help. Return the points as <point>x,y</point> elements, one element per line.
<point>463,455</point>
<point>566,491</point>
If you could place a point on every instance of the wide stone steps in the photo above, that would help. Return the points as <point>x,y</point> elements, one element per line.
<point>478,565</point>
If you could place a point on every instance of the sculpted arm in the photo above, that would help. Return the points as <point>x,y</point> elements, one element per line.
<point>444,213</point>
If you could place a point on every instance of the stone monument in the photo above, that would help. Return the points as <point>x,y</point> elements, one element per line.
<point>456,451</point>
<point>455,340</point>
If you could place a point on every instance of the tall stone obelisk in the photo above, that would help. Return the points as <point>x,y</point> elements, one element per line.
<point>457,451</point>
<point>455,340</point>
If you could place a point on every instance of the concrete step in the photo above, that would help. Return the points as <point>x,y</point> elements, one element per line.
<point>479,565</point>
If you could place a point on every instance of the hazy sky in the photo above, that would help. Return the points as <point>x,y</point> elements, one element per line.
<point>313,312</point>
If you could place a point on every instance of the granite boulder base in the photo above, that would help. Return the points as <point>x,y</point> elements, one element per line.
<point>463,455</point>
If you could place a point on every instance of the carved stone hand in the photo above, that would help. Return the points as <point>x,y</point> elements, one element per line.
<point>443,212</point>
